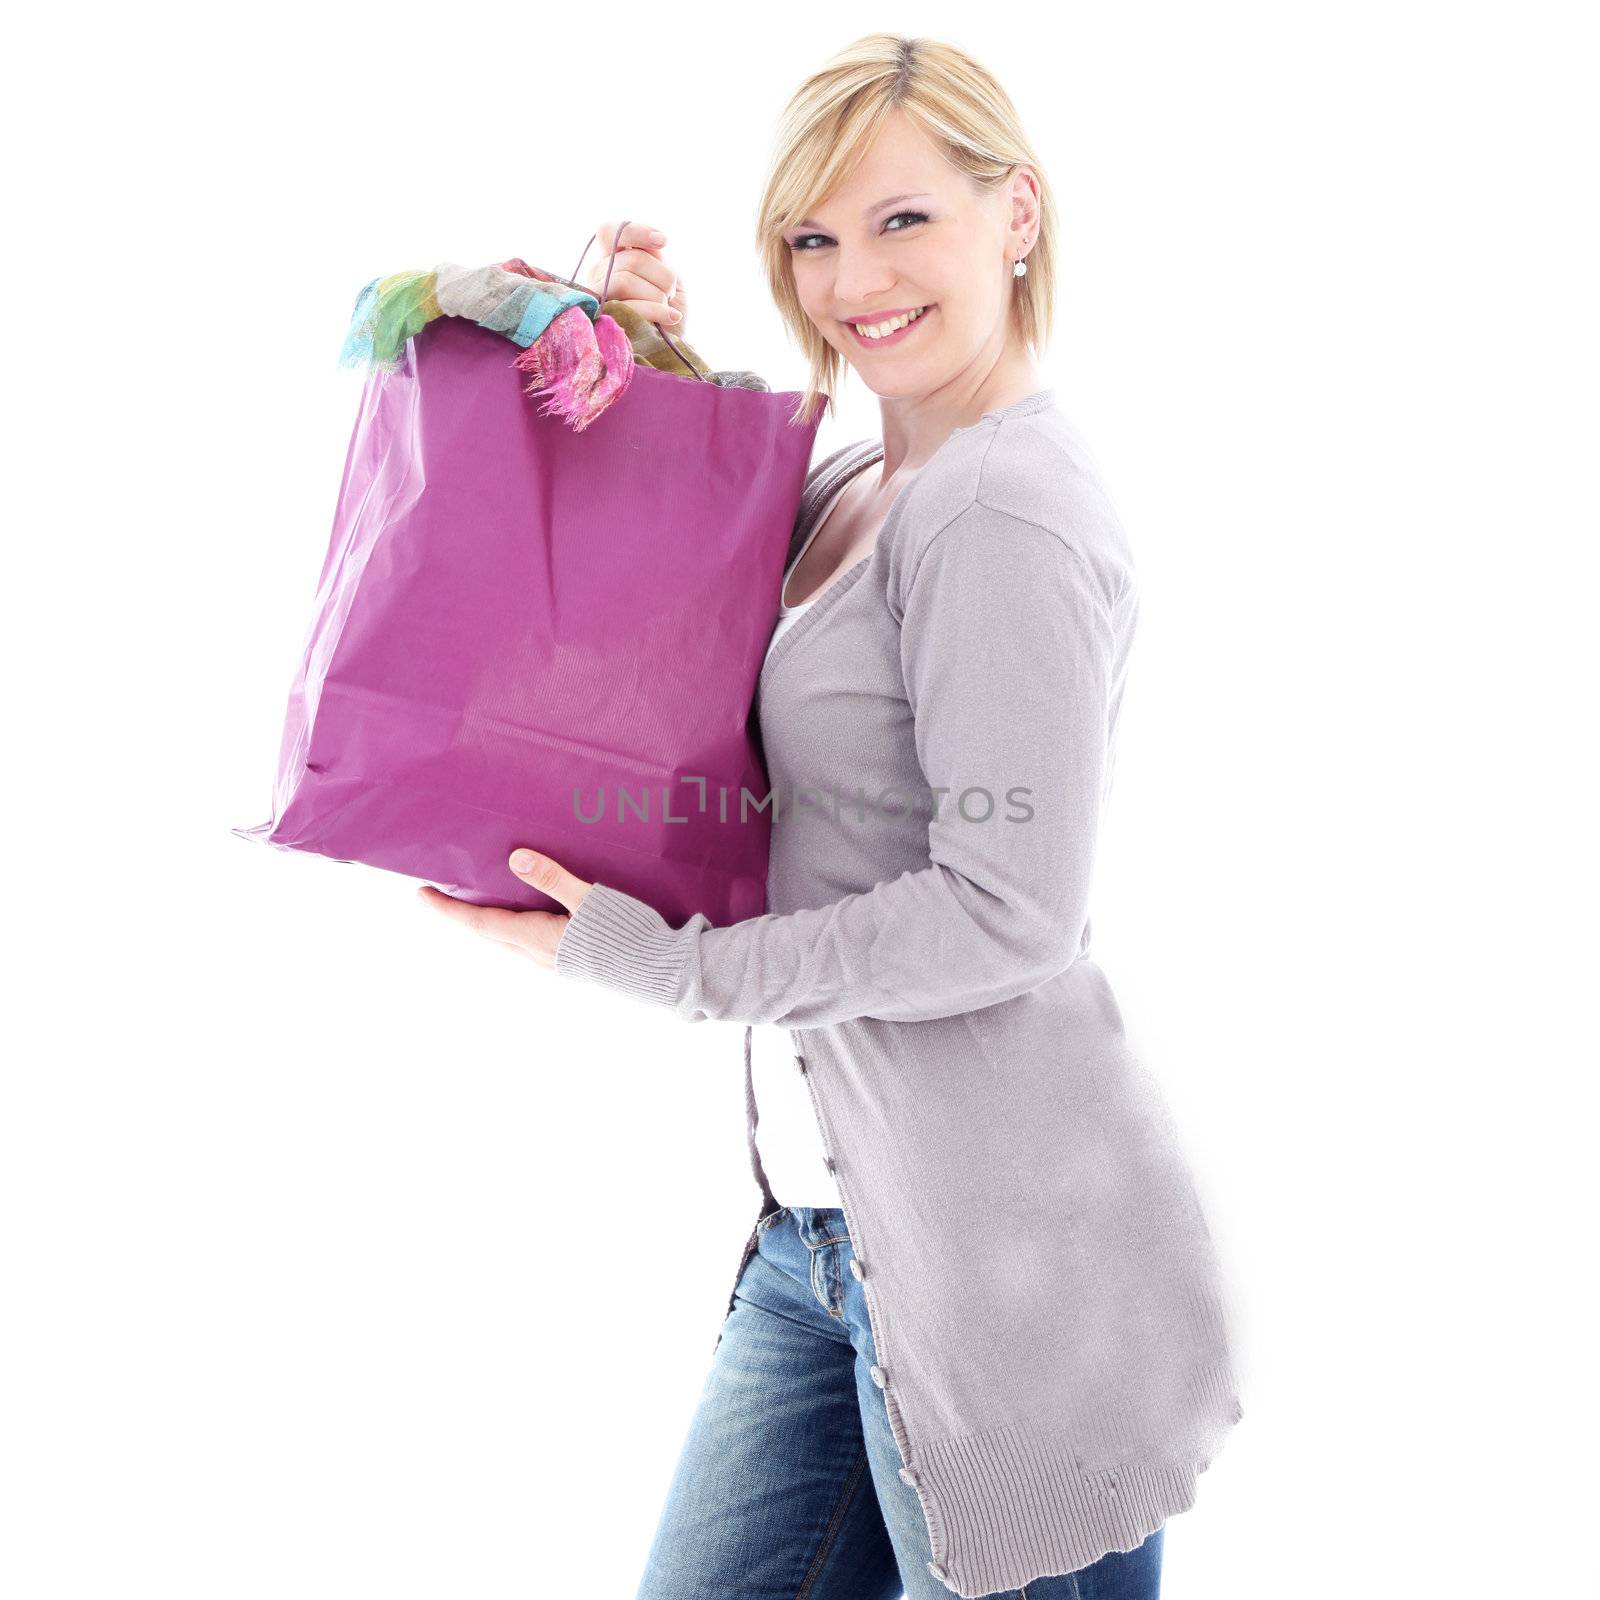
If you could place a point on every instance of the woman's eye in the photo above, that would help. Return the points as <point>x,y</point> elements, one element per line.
<point>912,218</point>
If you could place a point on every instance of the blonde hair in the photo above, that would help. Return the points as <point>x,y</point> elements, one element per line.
<point>824,132</point>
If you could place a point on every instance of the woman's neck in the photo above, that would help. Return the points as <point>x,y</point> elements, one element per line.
<point>913,429</point>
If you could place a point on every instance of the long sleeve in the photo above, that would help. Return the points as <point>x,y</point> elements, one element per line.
<point>1010,661</point>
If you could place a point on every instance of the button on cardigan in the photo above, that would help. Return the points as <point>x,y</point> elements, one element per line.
<point>939,729</point>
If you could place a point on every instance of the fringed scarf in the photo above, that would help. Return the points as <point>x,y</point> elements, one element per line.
<point>578,357</point>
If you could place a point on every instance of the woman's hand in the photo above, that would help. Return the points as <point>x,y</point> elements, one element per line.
<point>532,933</point>
<point>641,277</point>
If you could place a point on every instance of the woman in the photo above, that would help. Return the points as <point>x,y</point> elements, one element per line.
<point>987,1354</point>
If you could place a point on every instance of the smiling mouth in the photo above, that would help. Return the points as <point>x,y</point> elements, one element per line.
<point>890,329</point>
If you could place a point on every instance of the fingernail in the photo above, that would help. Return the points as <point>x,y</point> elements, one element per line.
<point>674,316</point>
<point>523,860</point>
<point>657,236</point>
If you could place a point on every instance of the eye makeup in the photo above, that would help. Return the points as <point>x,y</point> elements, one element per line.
<point>915,217</point>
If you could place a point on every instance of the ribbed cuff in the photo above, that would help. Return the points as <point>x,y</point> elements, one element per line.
<point>619,941</point>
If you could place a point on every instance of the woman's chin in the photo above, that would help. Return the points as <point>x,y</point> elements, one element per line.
<point>897,387</point>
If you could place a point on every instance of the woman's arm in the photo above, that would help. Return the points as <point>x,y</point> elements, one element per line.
<point>1009,652</point>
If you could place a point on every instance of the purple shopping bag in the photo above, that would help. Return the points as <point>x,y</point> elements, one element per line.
<point>530,635</point>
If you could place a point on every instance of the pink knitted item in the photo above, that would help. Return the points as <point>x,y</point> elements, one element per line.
<point>578,365</point>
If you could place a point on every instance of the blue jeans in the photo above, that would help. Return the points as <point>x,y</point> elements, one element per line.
<point>788,1487</point>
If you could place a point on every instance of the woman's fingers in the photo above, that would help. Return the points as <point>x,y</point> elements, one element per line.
<point>549,877</point>
<point>640,277</point>
<point>637,234</point>
<point>528,933</point>
<point>647,301</point>
<point>645,276</point>
<point>492,922</point>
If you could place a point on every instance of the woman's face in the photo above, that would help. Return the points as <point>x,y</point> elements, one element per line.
<point>908,232</point>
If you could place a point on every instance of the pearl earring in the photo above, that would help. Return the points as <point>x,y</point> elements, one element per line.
<point>1018,267</point>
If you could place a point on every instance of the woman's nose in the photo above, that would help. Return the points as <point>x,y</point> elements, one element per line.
<point>861,280</point>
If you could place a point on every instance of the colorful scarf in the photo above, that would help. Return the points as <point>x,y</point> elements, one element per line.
<point>578,355</point>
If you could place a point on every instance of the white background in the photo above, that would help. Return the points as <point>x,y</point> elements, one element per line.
<point>345,1254</point>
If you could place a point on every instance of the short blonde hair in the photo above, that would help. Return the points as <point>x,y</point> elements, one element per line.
<point>824,132</point>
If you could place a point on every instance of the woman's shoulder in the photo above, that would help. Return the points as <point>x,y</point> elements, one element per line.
<point>1027,467</point>
<point>836,461</point>
<point>822,477</point>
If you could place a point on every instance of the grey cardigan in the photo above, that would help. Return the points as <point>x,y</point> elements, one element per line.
<point>939,729</point>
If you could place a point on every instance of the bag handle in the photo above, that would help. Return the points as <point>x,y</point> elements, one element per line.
<point>572,283</point>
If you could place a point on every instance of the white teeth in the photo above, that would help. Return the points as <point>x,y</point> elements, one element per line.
<point>879,330</point>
